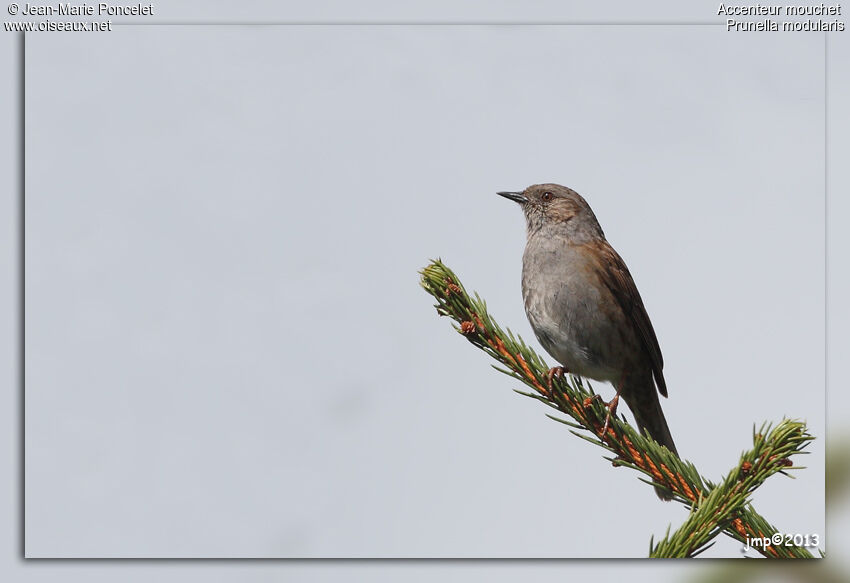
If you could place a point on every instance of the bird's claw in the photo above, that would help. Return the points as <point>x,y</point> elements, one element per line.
<point>612,410</point>
<point>557,371</point>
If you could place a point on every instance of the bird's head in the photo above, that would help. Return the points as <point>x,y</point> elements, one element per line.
<point>556,207</point>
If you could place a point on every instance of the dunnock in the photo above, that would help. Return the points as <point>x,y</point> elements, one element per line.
<point>584,306</point>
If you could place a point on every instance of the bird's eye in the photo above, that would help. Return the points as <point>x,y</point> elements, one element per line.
<point>547,195</point>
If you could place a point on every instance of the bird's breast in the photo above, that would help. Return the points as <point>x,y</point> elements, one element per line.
<point>568,309</point>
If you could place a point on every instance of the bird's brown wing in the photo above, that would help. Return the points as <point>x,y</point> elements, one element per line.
<point>616,277</point>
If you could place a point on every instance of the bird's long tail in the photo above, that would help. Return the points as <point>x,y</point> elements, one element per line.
<point>650,420</point>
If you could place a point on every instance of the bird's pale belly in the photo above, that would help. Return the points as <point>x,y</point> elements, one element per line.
<point>572,349</point>
<point>575,336</point>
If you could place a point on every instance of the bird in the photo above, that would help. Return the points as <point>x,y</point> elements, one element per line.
<point>585,309</point>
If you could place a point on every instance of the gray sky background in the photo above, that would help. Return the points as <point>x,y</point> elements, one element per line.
<point>228,352</point>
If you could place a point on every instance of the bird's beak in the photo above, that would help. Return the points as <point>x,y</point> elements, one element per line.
<point>514,196</point>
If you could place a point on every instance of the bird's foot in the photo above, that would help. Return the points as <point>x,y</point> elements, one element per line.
<point>557,371</point>
<point>612,410</point>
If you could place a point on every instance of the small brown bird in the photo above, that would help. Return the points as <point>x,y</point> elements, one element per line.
<point>584,306</point>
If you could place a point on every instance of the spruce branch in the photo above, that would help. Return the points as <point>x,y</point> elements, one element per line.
<point>727,504</point>
<point>715,508</point>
